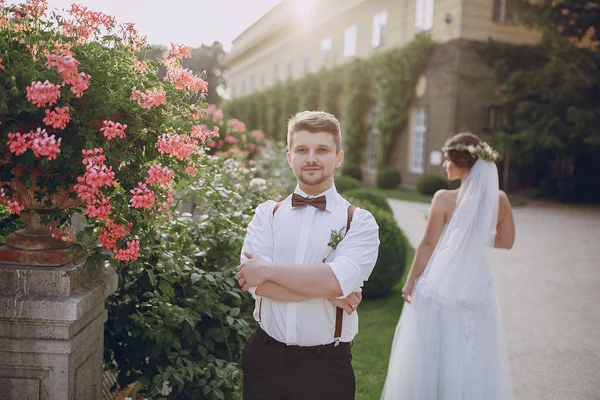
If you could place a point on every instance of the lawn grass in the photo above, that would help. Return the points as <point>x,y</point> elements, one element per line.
<point>401,194</point>
<point>372,345</point>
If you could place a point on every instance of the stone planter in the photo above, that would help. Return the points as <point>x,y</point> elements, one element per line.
<point>52,310</point>
<point>34,244</point>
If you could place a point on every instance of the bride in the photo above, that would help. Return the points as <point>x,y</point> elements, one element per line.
<point>448,343</point>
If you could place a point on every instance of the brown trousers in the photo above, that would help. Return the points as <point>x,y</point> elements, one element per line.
<point>275,371</point>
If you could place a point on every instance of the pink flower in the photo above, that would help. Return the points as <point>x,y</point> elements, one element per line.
<point>99,209</point>
<point>112,232</point>
<point>183,79</point>
<point>43,94</point>
<point>59,118</point>
<point>236,125</point>
<point>44,145</point>
<point>33,8</point>
<point>85,192</point>
<point>130,254</point>
<point>79,83</point>
<point>140,66</point>
<point>179,50</point>
<point>113,129</point>
<point>151,98</point>
<point>142,196</point>
<point>230,139</point>
<point>159,175</point>
<point>99,175</point>
<point>251,147</point>
<point>1,66</point>
<point>191,169</point>
<point>258,134</point>
<point>63,61</point>
<point>217,114</point>
<point>19,143</point>
<point>14,207</point>
<point>212,144</point>
<point>176,145</point>
<point>169,202</point>
<point>93,156</point>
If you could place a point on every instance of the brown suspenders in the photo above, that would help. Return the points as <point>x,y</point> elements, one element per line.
<point>339,313</point>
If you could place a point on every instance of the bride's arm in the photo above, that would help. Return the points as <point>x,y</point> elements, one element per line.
<point>505,230</point>
<point>435,225</point>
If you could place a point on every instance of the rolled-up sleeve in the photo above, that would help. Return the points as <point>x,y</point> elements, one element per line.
<point>356,255</point>
<point>259,236</point>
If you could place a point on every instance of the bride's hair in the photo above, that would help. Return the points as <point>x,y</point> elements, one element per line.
<point>463,159</point>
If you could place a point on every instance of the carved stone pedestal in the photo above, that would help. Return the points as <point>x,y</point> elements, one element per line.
<point>52,331</point>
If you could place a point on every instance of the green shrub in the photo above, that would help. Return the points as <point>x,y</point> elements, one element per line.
<point>345,183</point>
<point>182,308</point>
<point>368,195</point>
<point>453,185</point>
<point>352,170</point>
<point>388,177</point>
<point>429,184</point>
<point>393,248</point>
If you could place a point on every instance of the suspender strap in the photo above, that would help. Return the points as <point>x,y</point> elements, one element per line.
<point>339,313</point>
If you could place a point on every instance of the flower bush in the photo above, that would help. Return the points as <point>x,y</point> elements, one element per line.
<point>179,320</point>
<point>233,137</point>
<point>81,113</point>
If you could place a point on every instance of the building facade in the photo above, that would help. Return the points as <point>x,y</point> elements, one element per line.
<point>298,37</point>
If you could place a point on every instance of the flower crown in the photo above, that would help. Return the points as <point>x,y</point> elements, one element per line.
<point>484,152</point>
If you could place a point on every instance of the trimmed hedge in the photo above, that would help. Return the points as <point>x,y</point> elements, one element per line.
<point>352,170</point>
<point>368,195</point>
<point>388,178</point>
<point>345,183</point>
<point>429,184</point>
<point>393,249</point>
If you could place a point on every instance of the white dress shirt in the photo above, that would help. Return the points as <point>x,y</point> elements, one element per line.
<point>300,236</point>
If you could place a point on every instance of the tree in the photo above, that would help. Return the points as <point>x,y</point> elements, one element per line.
<point>206,61</point>
<point>551,94</point>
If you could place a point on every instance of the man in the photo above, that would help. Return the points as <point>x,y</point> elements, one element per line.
<point>301,349</point>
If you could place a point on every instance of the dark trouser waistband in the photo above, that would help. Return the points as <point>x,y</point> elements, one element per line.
<point>268,339</point>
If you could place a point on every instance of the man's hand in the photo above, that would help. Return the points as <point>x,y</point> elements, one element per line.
<point>252,273</point>
<point>348,304</point>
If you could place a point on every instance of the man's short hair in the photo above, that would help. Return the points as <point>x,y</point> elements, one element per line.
<point>313,122</point>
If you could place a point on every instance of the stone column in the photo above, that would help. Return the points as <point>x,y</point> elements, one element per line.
<point>52,329</point>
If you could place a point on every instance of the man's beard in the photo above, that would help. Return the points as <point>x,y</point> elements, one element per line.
<point>313,181</point>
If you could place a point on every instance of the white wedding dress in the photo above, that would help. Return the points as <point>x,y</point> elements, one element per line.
<point>448,343</point>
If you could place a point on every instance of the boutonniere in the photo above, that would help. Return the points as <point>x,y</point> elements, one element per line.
<point>335,239</point>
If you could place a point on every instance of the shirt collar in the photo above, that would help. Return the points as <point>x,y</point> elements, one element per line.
<point>330,194</point>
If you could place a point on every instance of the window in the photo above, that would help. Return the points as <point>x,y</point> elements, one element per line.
<point>263,80</point>
<point>502,12</point>
<point>243,89</point>
<point>306,62</point>
<point>424,15</point>
<point>373,145</point>
<point>290,68</point>
<point>275,73</point>
<point>419,128</point>
<point>252,87</point>
<point>379,38</point>
<point>326,47</point>
<point>350,36</point>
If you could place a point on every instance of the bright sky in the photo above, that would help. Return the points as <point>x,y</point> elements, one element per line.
<point>189,22</point>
